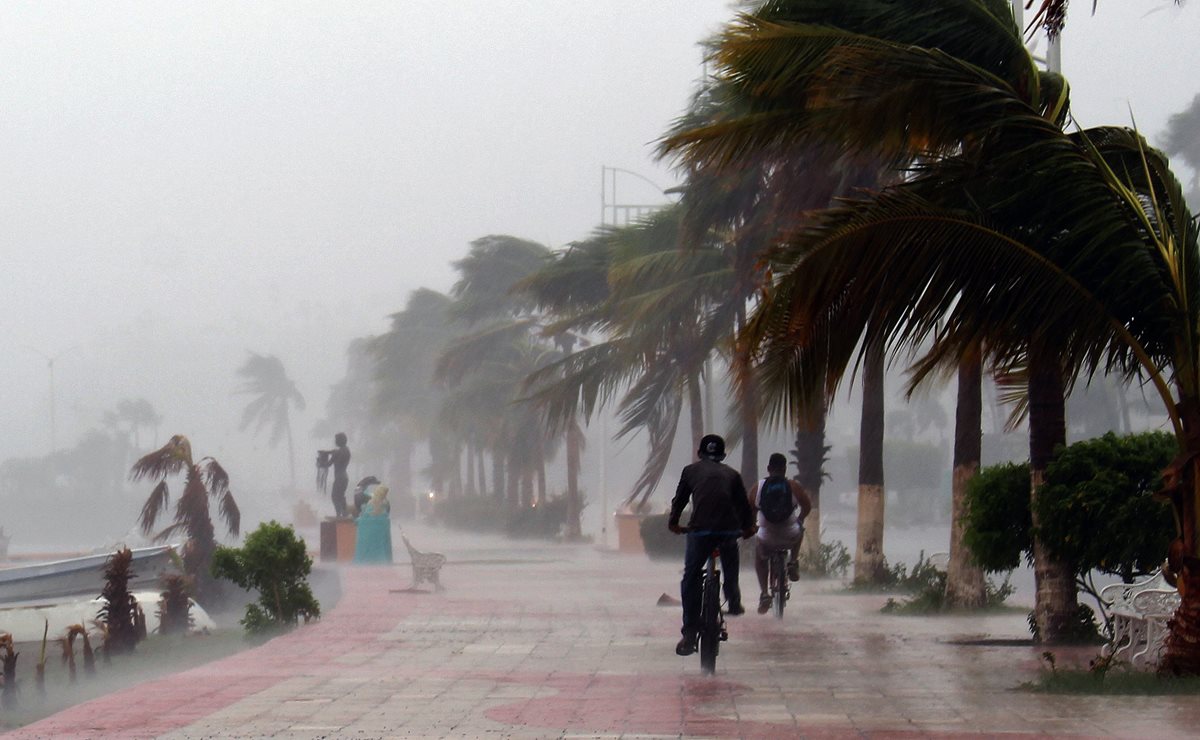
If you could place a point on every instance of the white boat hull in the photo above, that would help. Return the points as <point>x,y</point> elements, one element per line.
<point>82,576</point>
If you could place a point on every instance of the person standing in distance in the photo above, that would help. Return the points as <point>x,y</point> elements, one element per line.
<point>720,514</point>
<point>339,460</point>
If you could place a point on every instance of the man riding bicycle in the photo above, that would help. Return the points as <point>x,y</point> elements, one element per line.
<point>720,514</point>
<point>782,504</point>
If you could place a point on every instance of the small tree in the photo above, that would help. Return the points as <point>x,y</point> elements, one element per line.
<point>202,479</point>
<point>119,609</point>
<point>174,605</point>
<point>276,564</point>
<point>1097,508</point>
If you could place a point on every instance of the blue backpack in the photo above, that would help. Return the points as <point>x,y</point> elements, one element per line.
<point>775,499</point>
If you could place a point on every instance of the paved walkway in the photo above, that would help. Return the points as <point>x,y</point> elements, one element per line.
<point>556,641</point>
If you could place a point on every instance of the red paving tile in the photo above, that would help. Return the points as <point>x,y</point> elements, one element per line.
<point>519,649</point>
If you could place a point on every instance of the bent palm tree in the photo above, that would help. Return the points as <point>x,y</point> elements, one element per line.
<point>275,395</point>
<point>942,83</point>
<point>203,479</point>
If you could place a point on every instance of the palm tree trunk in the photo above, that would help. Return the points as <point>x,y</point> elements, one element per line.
<point>748,405</point>
<point>527,488</point>
<point>291,454</point>
<point>810,460</point>
<point>480,465</point>
<point>574,447</point>
<point>541,480</point>
<point>868,555</point>
<point>403,465</point>
<point>696,410</point>
<point>513,486</point>
<point>1055,603</point>
<point>1181,656</point>
<point>469,486</point>
<point>964,580</point>
<point>498,476</point>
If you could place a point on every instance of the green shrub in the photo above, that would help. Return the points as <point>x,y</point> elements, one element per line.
<point>275,563</point>
<point>473,513</point>
<point>545,521</point>
<point>831,560</point>
<point>659,541</point>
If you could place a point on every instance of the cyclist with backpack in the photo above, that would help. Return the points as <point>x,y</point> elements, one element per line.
<point>782,505</point>
<point>721,513</point>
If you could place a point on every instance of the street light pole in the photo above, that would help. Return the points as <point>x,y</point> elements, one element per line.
<point>50,360</point>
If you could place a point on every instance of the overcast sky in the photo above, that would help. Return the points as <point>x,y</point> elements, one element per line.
<point>184,182</point>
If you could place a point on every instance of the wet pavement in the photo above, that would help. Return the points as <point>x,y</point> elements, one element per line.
<point>535,640</point>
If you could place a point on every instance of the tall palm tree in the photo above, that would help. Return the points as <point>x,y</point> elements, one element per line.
<point>404,396</point>
<point>982,233</point>
<point>964,579</point>
<point>274,396</point>
<point>203,479</point>
<point>653,302</point>
<point>814,73</point>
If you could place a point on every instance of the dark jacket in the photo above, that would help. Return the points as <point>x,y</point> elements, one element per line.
<point>718,498</point>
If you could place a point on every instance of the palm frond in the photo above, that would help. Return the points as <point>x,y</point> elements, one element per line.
<point>174,530</point>
<point>216,480</point>
<point>159,499</point>
<point>171,459</point>
<point>230,514</point>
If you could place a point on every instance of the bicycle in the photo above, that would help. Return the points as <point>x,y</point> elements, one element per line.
<point>712,622</point>
<point>777,580</point>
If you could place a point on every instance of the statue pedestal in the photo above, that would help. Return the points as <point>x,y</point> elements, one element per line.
<point>629,533</point>
<point>338,539</point>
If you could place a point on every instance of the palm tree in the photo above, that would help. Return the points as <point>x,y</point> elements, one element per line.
<point>653,301</point>
<point>275,395</point>
<point>970,247</point>
<point>403,395</point>
<point>808,74</point>
<point>965,585</point>
<point>203,479</point>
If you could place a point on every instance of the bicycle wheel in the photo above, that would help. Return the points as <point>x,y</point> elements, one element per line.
<point>779,582</point>
<point>710,625</point>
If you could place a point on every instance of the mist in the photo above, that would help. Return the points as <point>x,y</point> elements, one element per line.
<point>189,183</point>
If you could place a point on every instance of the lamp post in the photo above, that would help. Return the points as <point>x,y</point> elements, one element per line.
<point>615,213</point>
<point>50,360</point>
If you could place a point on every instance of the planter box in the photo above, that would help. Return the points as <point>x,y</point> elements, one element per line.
<point>338,539</point>
<point>629,534</point>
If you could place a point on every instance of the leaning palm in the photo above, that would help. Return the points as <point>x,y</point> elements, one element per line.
<point>274,396</point>
<point>203,479</point>
<point>895,83</point>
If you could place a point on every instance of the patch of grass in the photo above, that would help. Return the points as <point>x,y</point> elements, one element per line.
<point>1116,682</point>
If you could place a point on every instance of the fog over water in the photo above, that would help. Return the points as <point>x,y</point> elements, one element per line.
<point>188,182</point>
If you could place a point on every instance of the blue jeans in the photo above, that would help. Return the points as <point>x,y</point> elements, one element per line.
<point>695,558</point>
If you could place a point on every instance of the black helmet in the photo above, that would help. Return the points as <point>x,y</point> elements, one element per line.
<point>712,447</point>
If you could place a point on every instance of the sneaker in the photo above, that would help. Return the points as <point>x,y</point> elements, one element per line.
<point>793,570</point>
<point>735,610</point>
<point>686,645</point>
<point>764,603</point>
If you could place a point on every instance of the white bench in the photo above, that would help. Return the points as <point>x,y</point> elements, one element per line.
<point>426,566</point>
<point>1139,613</point>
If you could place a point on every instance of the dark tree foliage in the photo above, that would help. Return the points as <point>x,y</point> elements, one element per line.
<point>174,604</point>
<point>120,608</point>
<point>275,563</point>
<point>1097,507</point>
<point>998,518</point>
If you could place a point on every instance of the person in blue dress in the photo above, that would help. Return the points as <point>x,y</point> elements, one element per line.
<point>374,541</point>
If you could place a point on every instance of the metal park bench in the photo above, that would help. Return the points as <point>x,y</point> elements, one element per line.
<point>1139,613</point>
<point>425,565</point>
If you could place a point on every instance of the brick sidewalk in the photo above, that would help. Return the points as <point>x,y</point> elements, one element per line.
<point>566,641</point>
